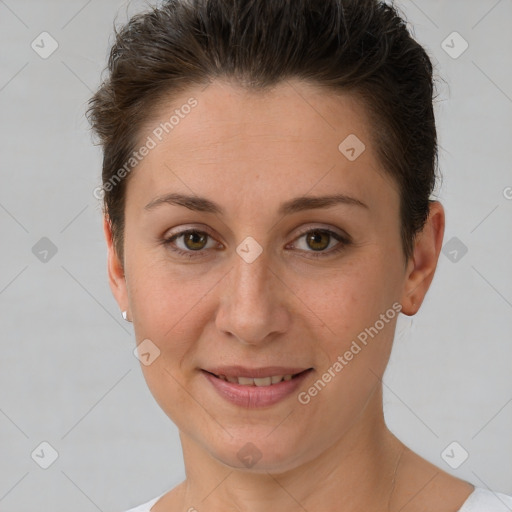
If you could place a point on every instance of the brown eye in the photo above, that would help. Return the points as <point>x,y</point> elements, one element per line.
<point>190,243</point>
<point>317,243</point>
<point>195,240</point>
<point>318,240</point>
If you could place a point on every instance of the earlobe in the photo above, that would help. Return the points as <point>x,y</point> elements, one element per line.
<point>421,268</point>
<point>116,276</point>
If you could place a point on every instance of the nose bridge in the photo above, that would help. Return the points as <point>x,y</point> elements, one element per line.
<point>251,274</point>
<point>251,307</point>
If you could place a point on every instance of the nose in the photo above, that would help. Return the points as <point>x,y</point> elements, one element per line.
<point>253,305</point>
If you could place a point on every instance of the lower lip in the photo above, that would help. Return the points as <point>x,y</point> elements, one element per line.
<point>256,396</point>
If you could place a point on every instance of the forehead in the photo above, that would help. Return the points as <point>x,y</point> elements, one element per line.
<point>288,140</point>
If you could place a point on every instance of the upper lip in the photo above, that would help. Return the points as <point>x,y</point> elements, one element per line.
<point>242,371</point>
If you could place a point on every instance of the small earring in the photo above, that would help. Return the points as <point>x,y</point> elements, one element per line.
<point>125,316</point>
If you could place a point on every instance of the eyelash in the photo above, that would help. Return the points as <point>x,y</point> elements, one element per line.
<point>343,243</point>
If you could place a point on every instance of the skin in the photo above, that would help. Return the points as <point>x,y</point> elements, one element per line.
<point>249,152</point>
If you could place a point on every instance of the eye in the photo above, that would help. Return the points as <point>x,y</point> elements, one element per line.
<point>194,242</point>
<point>320,239</point>
<point>317,240</point>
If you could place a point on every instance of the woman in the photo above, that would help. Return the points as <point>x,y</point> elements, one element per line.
<point>267,174</point>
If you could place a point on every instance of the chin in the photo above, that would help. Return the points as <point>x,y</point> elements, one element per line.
<point>258,453</point>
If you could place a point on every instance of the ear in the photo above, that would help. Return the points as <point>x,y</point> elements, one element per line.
<point>116,275</point>
<point>422,265</point>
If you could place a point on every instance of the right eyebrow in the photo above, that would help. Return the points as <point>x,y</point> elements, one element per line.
<point>200,204</point>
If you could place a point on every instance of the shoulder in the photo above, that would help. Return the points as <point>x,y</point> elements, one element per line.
<point>445,491</point>
<point>482,500</point>
<point>145,507</point>
<point>169,500</point>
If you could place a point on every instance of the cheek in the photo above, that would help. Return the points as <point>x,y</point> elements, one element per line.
<point>355,352</point>
<point>169,309</point>
<point>350,298</point>
<point>358,308</point>
<point>168,305</point>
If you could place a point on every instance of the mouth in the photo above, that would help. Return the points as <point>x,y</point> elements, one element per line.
<point>260,387</point>
<point>269,380</point>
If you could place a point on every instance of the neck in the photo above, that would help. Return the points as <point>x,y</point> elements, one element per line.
<point>356,473</point>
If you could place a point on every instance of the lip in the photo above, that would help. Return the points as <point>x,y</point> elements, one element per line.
<point>255,396</point>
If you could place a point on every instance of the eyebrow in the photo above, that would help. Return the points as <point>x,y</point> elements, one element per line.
<point>298,204</point>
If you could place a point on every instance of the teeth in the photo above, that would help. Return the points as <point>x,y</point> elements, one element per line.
<point>245,381</point>
<point>262,381</point>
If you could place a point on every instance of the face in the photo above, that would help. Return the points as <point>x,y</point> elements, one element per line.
<point>243,279</point>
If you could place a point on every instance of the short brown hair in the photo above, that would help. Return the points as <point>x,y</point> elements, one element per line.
<point>358,46</point>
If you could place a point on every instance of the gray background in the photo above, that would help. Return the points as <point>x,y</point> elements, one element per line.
<point>67,372</point>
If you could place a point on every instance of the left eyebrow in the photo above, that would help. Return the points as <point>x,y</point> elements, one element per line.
<point>310,203</point>
<point>297,204</point>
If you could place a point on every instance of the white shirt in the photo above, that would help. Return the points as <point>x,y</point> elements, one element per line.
<point>480,500</point>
